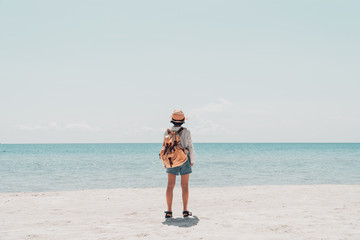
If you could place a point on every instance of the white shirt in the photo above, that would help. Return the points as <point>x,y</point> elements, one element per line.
<point>186,141</point>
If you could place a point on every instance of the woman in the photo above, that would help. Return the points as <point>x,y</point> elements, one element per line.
<point>178,119</point>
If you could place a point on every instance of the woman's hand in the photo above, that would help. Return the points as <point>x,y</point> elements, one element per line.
<point>191,164</point>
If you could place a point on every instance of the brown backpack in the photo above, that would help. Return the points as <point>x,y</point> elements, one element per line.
<point>172,154</point>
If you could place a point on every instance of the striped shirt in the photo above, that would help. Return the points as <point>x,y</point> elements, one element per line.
<point>186,142</point>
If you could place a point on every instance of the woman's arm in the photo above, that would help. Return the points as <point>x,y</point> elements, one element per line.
<point>190,148</point>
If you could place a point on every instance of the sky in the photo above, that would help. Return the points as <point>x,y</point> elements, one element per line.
<point>242,71</point>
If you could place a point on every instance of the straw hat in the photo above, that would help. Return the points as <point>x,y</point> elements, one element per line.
<point>178,116</point>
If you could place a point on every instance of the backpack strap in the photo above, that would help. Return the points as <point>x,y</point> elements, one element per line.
<point>180,130</point>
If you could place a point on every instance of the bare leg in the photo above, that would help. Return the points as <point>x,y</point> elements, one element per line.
<point>185,190</point>
<point>169,190</point>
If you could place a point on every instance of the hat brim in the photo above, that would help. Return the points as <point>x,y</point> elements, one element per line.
<point>179,121</point>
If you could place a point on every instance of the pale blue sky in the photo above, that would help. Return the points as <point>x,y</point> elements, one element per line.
<point>243,71</point>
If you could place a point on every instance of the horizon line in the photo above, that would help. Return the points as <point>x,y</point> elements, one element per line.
<point>161,142</point>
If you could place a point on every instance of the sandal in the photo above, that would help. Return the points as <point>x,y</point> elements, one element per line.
<point>187,213</point>
<point>168,214</point>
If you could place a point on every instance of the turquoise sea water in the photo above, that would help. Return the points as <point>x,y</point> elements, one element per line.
<point>51,167</point>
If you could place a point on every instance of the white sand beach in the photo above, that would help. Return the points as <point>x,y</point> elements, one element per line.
<point>248,212</point>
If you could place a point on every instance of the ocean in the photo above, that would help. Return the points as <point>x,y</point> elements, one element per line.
<point>57,167</point>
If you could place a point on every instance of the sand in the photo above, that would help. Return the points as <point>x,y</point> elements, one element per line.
<point>248,212</point>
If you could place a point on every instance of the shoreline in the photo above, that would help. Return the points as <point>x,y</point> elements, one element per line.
<point>325,211</point>
<point>177,186</point>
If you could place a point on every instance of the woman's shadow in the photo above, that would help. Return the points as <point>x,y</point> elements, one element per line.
<point>182,222</point>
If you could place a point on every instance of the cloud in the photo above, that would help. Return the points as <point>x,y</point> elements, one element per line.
<point>231,108</point>
<point>52,125</point>
<point>81,126</point>
<point>208,127</point>
<point>140,130</point>
<point>148,129</point>
<point>55,126</point>
<point>206,120</point>
<point>221,106</point>
<point>222,116</point>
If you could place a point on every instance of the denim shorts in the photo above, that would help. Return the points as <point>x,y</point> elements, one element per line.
<point>182,170</point>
